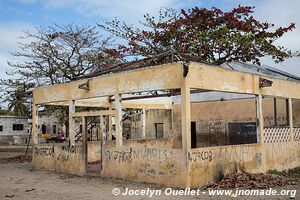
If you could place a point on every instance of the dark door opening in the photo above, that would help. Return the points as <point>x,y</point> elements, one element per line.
<point>193,135</point>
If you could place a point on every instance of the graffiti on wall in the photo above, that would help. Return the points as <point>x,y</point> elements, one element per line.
<point>63,152</point>
<point>44,151</point>
<point>147,154</point>
<point>200,156</point>
<point>229,154</point>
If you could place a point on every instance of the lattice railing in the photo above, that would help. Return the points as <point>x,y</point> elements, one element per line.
<point>276,134</point>
<point>296,131</point>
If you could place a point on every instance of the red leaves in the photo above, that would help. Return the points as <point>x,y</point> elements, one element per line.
<point>211,34</point>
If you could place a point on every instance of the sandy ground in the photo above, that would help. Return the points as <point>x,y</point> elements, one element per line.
<point>18,181</point>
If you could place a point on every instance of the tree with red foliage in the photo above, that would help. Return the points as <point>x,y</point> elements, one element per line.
<point>212,35</point>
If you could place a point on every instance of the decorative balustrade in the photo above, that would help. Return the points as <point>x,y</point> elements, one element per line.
<point>296,131</point>
<point>277,134</point>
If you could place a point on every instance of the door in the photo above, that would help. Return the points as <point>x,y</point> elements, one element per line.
<point>193,135</point>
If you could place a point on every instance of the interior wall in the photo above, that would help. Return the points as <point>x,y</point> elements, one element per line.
<point>158,116</point>
<point>93,151</point>
<point>296,112</point>
<point>212,118</point>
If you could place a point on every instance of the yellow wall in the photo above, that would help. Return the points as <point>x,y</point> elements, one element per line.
<point>231,159</point>
<point>212,118</point>
<point>58,157</point>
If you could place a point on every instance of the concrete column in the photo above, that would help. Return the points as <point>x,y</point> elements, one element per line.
<point>102,128</point>
<point>84,140</point>
<point>35,124</point>
<point>71,122</point>
<point>260,119</point>
<point>110,125</point>
<point>186,115</point>
<point>290,110</point>
<point>144,123</point>
<point>118,107</point>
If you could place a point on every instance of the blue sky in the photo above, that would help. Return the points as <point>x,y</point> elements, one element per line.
<point>19,15</point>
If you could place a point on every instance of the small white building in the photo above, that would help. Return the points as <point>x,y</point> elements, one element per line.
<point>13,129</point>
<point>51,123</point>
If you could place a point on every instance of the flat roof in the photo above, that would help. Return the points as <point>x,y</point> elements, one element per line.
<point>170,57</point>
<point>14,116</point>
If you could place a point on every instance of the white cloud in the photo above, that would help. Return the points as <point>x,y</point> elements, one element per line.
<point>9,36</point>
<point>282,13</point>
<point>275,11</point>
<point>129,9</point>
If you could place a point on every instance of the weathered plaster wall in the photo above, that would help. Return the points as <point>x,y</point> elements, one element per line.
<point>167,76</point>
<point>94,151</point>
<point>158,143</point>
<point>212,163</point>
<point>212,118</point>
<point>282,155</point>
<point>59,157</point>
<point>157,162</point>
<point>133,125</point>
<point>296,112</point>
<point>148,164</point>
<point>158,116</point>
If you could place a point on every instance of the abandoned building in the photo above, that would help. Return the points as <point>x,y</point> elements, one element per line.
<point>13,129</point>
<point>174,120</point>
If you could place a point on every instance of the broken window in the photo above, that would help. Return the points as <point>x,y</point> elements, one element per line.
<point>54,129</point>
<point>18,127</point>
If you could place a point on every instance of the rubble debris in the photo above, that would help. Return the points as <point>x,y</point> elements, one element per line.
<point>251,181</point>
<point>18,158</point>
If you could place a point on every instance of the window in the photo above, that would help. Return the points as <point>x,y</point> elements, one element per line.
<point>1,128</point>
<point>54,129</point>
<point>44,128</point>
<point>159,130</point>
<point>18,127</point>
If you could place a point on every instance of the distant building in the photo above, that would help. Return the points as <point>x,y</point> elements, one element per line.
<point>13,128</point>
<point>50,123</point>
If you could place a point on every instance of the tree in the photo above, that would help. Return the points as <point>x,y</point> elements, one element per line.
<point>57,54</point>
<point>17,98</point>
<point>212,35</point>
<point>53,55</point>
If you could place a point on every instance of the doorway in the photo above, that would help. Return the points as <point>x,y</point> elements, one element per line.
<point>193,135</point>
<point>93,147</point>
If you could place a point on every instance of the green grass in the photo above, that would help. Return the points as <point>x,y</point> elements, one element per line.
<point>292,173</point>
